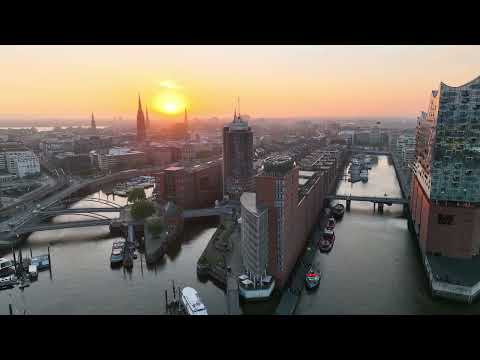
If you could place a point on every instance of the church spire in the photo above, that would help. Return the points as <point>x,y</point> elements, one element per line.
<point>140,122</point>
<point>147,120</point>
<point>93,125</point>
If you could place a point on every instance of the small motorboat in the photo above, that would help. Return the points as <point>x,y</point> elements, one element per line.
<point>312,279</point>
<point>331,223</point>
<point>41,262</point>
<point>8,282</point>
<point>338,211</point>
<point>325,245</point>
<point>6,267</point>
<point>33,272</point>
<point>116,258</point>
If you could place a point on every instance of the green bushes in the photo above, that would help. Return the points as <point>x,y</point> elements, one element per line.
<point>136,194</point>
<point>141,209</point>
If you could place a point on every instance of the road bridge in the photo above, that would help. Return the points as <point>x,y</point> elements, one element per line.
<point>369,152</point>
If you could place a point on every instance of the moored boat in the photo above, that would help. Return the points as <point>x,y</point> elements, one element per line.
<point>32,272</point>
<point>117,255</point>
<point>338,210</point>
<point>7,282</point>
<point>6,267</point>
<point>42,262</point>
<point>331,223</point>
<point>192,303</point>
<point>364,175</point>
<point>312,279</point>
<point>325,245</point>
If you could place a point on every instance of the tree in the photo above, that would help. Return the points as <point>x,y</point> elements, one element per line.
<point>136,194</point>
<point>155,226</point>
<point>142,209</point>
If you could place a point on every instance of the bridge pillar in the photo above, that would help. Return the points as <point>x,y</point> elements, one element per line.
<point>380,207</point>
<point>374,204</point>
<point>348,205</point>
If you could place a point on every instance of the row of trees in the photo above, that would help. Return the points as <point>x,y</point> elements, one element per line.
<point>141,207</point>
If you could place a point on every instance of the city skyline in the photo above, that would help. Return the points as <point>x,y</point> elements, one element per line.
<point>272,81</point>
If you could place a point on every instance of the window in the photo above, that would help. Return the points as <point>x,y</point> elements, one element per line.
<point>445,219</point>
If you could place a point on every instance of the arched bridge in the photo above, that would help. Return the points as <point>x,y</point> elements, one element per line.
<point>34,222</point>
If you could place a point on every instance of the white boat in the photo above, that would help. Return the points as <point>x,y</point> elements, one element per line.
<point>33,272</point>
<point>8,282</point>
<point>192,303</point>
<point>6,267</point>
<point>354,173</point>
<point>364,175</point>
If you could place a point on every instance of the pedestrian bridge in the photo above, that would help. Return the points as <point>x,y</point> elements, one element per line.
<point>373,199</point>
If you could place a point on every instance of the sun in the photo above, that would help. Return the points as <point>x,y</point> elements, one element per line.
<point>169,102</point>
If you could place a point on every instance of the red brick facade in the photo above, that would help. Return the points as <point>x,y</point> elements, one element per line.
<point>445,228</point>
<point>190,188</point>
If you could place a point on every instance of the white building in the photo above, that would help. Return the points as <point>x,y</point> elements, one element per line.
<point>254,235</point>
<point>117,157</point>
<point>254,283</point>
<point>347,135</point>
<point>22,163</point>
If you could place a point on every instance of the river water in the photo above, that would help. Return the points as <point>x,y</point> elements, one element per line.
<point>82,281</point>
<point>374,267</point>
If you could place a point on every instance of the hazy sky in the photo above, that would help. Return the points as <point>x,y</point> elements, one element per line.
<point>272,81</point>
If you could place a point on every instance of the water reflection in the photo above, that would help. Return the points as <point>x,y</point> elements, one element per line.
<point>84,283</point>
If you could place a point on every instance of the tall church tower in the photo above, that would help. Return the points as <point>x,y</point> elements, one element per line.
<point>147,120</point>
<point>93,125</point>
<point>185,120</point>
<point>140,122</point>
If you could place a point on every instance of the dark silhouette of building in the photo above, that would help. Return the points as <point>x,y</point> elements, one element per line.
<point>185,121</point>
<point>147,120</point>
<point>93,125</point>
<point>140,122</point>
<point>190,187</point>
<point>238,168</point>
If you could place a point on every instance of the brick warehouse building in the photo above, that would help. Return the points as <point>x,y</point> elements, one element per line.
<point>190,186</point>
<point>293,196</point>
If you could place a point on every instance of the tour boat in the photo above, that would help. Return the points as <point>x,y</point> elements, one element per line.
<point>192,303</point>
<point>338,211</point>
<point>312,279</point>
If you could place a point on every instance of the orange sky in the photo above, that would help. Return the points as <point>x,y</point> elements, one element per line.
<point>272,81</point>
